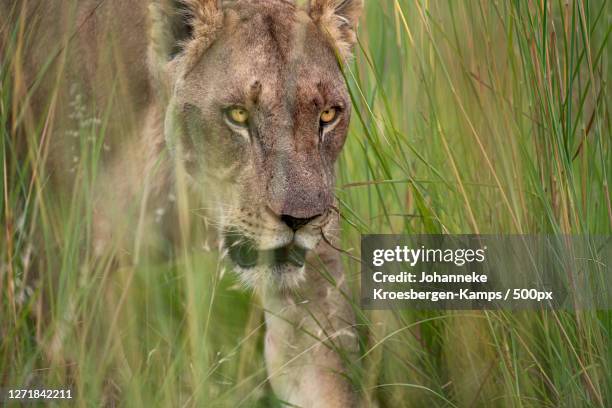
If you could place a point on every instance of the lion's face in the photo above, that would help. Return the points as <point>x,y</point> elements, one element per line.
<point>259,121</point>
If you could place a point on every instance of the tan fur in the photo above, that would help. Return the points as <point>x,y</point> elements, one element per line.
<point>280,63</point>
<point>206,20</point>
<point>338,18</point>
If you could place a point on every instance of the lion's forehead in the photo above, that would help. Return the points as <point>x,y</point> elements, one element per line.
<point>279,46</point>
<point>276,50</point>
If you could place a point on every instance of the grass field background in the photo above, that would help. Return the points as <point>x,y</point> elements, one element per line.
<point>469,117</point>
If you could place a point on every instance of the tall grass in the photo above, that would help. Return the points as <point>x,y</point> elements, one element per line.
<point>469,117</point>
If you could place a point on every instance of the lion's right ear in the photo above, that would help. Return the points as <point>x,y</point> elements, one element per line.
<point>185,27</point>
<point>205,20</point>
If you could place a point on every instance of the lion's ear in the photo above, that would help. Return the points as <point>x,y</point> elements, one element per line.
<point>338,19</point>
<point>186,27</point>
<point>205,18</point>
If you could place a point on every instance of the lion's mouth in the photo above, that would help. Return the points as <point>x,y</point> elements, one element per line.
<point>244,253</point>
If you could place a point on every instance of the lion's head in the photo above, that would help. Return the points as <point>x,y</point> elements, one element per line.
<point>258,111</point>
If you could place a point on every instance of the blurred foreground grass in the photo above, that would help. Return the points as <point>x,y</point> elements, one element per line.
<point>469,117</point>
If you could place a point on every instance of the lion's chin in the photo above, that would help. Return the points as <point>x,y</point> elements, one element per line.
<point>281,267</point>
<point>271,276</point>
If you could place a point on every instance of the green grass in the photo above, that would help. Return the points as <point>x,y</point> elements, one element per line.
<point>469,117</point>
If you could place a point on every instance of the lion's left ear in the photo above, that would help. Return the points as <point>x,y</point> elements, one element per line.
<point>338,19</point>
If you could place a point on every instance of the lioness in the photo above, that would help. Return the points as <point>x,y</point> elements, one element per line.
<point>249,99</point>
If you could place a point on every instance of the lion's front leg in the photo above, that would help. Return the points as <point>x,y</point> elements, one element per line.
<point>313,380</point>
<point>310,342</point>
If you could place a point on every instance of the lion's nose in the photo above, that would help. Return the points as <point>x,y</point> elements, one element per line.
<point>296,223</point>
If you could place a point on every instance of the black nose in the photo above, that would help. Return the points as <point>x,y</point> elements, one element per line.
<point>296,223</point>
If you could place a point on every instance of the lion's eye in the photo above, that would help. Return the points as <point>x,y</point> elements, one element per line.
<point>238,115</point>
<point>328,116</point>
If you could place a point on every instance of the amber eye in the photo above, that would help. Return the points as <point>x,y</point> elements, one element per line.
<point>238,115</point>
<point>328,116</point>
